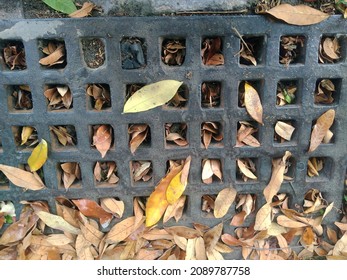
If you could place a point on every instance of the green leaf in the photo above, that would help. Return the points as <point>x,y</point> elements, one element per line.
<point>151,96</point>
<point>8,219</point>
<point>64,6</point>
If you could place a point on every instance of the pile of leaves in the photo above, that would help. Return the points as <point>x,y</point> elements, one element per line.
<point>14,56</point>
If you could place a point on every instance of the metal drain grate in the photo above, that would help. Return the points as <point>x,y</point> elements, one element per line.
<point>151,33</point>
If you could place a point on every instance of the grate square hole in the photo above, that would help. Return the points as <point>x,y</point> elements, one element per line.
<point>131,89</point>
<point>25,137</point>
<point>327,91</point>
<point>106,174</point>
<point>139,136</point>
<point>292,49</point>
<point>99,97</point>
<point>133,52</point>
<point>285,132</point>
<point>331,49</point>
<point>93,50</point>
<point>330,137</point>
<point>176,135</point>
<point>52,53</point>
<point>247,170</point>
<point>69,175</point>
<point>173,51</point>
<point>211,94</point>
<point>100,135</point>
<point>19,98</point>
<point>207,205</point>
<point>4,182</point>
<point>211,134</point>
<point>256,84</point>
<point>211,171</point>
<point>59,97</point>
<point>247,134</point>
<point>319,169</point>
<point>63,136</point>
<point>212,51</point>
<point>288,93</point>
<point>254,55</point>
<point>12,55</point>
<point>180,99</point>
<point>141,171</point>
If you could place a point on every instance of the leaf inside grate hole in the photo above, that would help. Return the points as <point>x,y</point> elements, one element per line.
<point>291,49</point>
<point>286,93</point>
<point>180,98</point>
<point>211,51</point>
<point>314,166</point>
<point>139,134</point>
<point>65,134</point>
<point>141,170</point>
<point>173,52</point>
<point>246,169</point>
<point>14,56</point>
<point>54,54</point>
<point>210,94</point>
<point>247,135</point>
<point>249,98</point>
<point>102,138</point>
<point>100,96</point>
<point>106,172</point>
<point>245,205</point>
<point>22,97</point>
<point>71,173</point>
<point>25,136</point>
<point>329,50</point>
<point>176,133</point>
<point>59,97</point>
<point>211,171</point>
<point>283,131</point>
<point>324,92</point>
<point>211,132</point>
<point>133,51</point>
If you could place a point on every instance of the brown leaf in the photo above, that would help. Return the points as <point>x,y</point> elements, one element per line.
<point>120,231</point>
<point>183,231</point>
<point>175,210</point>
<point>284,130</point>
<point>102,139</point>
<point>297,15</point>
<point>253,103</point>
<point>86,9</point>
<point>289,223</point>
<point>113,206</point>
<point>211,51</point>
<point>212,236</point>
<point>278,169</point>
<point>91,209</point>
<point>56,222</point>
<point>320,129</point>
<point>54,57</point>
<point>245,169</point>
<point>138,134</point>
<point>71,172</point>
<point>244,135</point>
<point>263,218</point>
<point>223,201</point>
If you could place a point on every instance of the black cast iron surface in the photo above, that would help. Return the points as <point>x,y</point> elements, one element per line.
<point>152,31</point>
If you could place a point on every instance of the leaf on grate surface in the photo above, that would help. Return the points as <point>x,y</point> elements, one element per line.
<point>59,97</point>
<point>65,134</point>
<point>84,11</point>
<point>106,172</point>
<point>320,129</point>
<point>212,236</point>
<point>285,94</point>
<point>252,103</point>
<point>284,130</point>
<point>210,94</point>
<point>100,94</point>
<point>56,222</point>
<point>151,96</point>
<point>324,92</point>
<point>121,231</point>
<point>175,210</point>
<point>263,218</point>
<point>71,173</point>
<point>297,15</point>
<point>55,54</point>
<point>329,50</point>
<point>21,178</point>
<point>138,134</point>
<point>113,206</point>
<point>102,138</point>
<point>14,57</point>
<point>38,156</point>
<point>142,170</point>
<point>245,202</point>
<point>176,132</point>
<point>174,52</point>
<point>223,202</point>
<point>211,168</point>
<point>211,51</point>
<point>314,165</point>
<point>247,169</point>
<point>244,135</point>
<point>211,131</point>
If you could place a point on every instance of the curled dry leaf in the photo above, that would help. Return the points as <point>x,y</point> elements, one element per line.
<point>223,201</point>
<point>211,51</point>
<point>284,130</point>
<point>138,134</point>
<point>28,136</point>
<point>297,15</point>
<point>175,210</point>
<point>210,94</point>
<point>179,100</point>
<point>71,173</point>
<point>290,49</point>
<point>245,135</point>
<point>207,204</point>
<point>22,97</point>
<point>329,50</point>
<point>55,54</point>
<point>324,92</point>
<point>59,97</point>
<point>211,131</point>
<point>66,135</point>
<point>14,56</point>
<point>245,203</point>
<point>106,172</point>
<point>56,222</point>
<point>313,201</point>
<point>102,138</point>
<point>141,170</point>
<point>278,169</point>
<point>174,52</point>
<point>177,133</point>
<point>247,169</point>
<point>100,95</point>
<point>113,206</point>
<point>251,101</point>
<point>320,129</point>
<point>286,94</point>
<point>211,168</point>
<point>212,236</point>
<point>84,11</point>
<point>314,165</point>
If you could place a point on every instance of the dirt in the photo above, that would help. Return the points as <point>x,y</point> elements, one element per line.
<point>93,52</point>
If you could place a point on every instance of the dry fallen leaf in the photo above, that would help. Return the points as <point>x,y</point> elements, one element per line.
<point>247,204</point>
<point>177,133</point>
<point>56,222</point>
<point>174,52</point>
<point>211,51</point>
<point>59,97</point>
<point>286,93</point>
<point>175,210</point>
<point>141,170</point>
<point>324,92</point>
<point>320,129</point>
<point>138,134</point>
<point>211,168</point>
<point>263,218</point>
<point>211,131</point>
<point>100,95</point>
<point>291,49</point>
<point>223,202</point>
<point>14,56</point>
<point>329,50</point>
<point>244,135</point>
<point>102,138</point>
<point>71,173</point>
<point>84,11</point>
<point>247,168</point>
<point>55,54</point>
<point>314,165</point>
<point>210,94</point>
<point>212,236</point>
<point>297,15</point>
<point>253,103</point>
<point>66,135</point>
<point>106,172</point>
<point>284,130</point>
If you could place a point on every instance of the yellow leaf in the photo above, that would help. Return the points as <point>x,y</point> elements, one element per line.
<point>38,156</point>
<point>26,133</point>
<point>253,103</point>
<point>223,202</point>
<point>151,96</point>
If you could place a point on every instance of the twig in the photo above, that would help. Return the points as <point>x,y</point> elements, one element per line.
<point>211,12</point>
<point>243,41</point>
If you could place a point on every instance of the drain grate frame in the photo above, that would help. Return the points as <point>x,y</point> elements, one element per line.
<point>153,32</point>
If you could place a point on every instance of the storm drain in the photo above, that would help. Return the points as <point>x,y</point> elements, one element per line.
<point>119,55</point>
